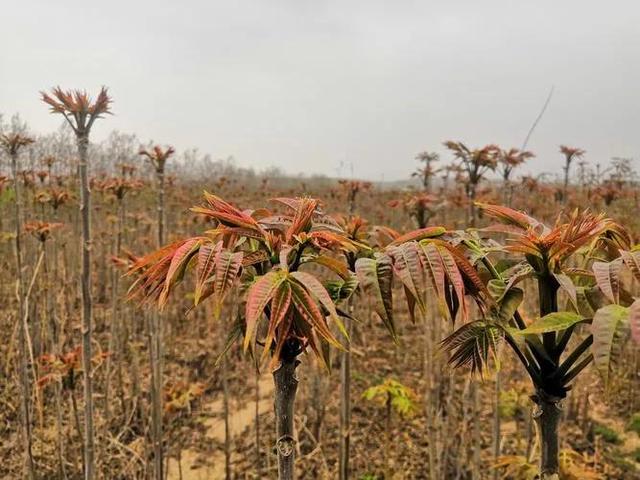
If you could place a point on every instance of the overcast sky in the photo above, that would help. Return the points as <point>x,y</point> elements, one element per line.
<point>307,85</point>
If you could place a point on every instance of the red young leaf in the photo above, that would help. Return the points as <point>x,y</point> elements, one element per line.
<point>179,262</point>
<point>608,278</point>
<point>205,267</point>
<point>258,297</point>
<point>308,309</point>
<point>418,235</point>
<point>228,267</point>
<point>279,310</point>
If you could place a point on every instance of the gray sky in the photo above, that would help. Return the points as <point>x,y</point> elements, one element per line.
<point>305,85</point>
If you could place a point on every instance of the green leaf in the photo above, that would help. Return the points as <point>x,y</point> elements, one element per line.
<point>509,303</point>
<point>411,303</point>
<point>455,279</point>
<point>472,343</point>
<point>409,268</point>
<point>516,274</point>
<point>610,330</point>
<point>553,322</point>
<point>436,272</point>
<point>497,288</point>
<point>400,397</point>
<point>376,278</point>
<point>234,334</point>
<point>590,298</point>
<point>341,290</point>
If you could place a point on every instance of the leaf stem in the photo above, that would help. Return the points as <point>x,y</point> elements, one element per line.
<point>573,357</point>
<point>578,368</point>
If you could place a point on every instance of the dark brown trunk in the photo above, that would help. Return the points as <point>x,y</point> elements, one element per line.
<point>548,300</point>
<point>286,386</point>
<point>547,414</point>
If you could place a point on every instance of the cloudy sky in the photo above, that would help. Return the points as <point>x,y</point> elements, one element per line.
<point>310,85</point>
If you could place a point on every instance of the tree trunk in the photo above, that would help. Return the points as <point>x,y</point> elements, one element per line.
<point>345,408</point>
<point>286,385</point>
<point>565,184</point>
<point>387,447</point>
<point>62,469</point>
<point>157,353</point>
<point>225,406</point>
<point>257,422</point>
<point>497,432</point>
<point>85,210</point>
<point>475,433</point>
<point>547,414</point>
<point>473,213</point>
<point>24,354</point>
<point>114,329</point>
<point>160,176</point>
<point>507,192</point>
<point>76,417</point>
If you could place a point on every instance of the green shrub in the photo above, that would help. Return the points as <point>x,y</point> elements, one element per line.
<point>608,434</point>
<point>6,196</point>
<point>509,404</point>
<point>623,461</point>
<point>634,423</point>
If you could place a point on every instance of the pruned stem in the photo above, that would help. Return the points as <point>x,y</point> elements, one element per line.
<point>345,407</point>
<point>87,325</point>
<point>286,386</point>
<point>156,349</point>
<point>24,349</point>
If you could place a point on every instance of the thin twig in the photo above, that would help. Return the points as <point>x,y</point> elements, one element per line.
<point>537,120</point>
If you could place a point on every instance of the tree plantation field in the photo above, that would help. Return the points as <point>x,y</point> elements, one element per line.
<point>167,316</point>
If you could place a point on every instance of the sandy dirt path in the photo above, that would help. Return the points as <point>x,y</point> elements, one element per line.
<point>191,464</point>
